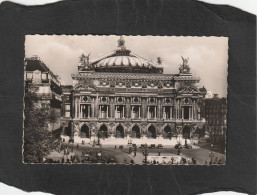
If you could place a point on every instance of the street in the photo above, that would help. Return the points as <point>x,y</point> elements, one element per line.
<point>111,154</point>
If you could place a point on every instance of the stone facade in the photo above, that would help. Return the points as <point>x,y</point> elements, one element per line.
<point>40,79</point>
<point>106,102</point>
<point>216,117</point>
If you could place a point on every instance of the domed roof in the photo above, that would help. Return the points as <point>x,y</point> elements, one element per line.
<point>122,60</point>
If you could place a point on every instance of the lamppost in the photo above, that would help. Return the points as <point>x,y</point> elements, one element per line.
<point>146,154</point>
<point>211,154</point>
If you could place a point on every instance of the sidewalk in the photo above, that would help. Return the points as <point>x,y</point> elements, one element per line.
<point>138,159</point>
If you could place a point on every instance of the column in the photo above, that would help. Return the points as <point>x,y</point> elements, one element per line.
<point>76,107</point>
<point>127,108</point>
<point>107,111</point>
<point>72,129</point>
<point>148,112</point>
<point>115,114</point>
<point>111,107</point>
<point>163,113</point>
<point>155,108</point>
<point>88,111</point>
<point>78,100</point>
<point>92,108</point>
<point>159,108</point>
<point>73,105</point>
<point>123,111</point>
<point>190,113</point>
<point>100,112</point>
<point>132,114</point>
<point>139,111</point>
<point>182,109</point>
<point>170,112</point>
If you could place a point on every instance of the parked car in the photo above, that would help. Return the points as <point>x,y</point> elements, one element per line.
<point>152,146</point>
<point>134,145</point>
<point>142,146</point>
<point>178,146</point>
<point>187,146</point>
<point>111,160</point>
<point>159,146</point>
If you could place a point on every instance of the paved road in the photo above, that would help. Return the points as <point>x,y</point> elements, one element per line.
<point>201,155</point>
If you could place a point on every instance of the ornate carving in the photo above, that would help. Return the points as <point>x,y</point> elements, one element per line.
<point>186,101</point>
<point>184,68</point>
<point>144,84</point>
<point>160,84</point>
<point>84,61</point>
<point>188,89</point>
<point>128,84</point>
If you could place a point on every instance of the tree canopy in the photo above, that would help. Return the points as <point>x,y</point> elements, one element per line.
<point>38,140</point>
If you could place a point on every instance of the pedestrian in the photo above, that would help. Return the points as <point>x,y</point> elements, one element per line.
<point>115,147</point>
<point>178,151</point>
<point>159,153</point>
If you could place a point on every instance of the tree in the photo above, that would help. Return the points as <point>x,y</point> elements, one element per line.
<point>38,140</point>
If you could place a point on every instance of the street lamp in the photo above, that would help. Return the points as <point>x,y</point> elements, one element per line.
<point>211,153</point>
<point>146,154</point>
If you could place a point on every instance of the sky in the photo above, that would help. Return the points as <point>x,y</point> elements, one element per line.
<point>208,56</point>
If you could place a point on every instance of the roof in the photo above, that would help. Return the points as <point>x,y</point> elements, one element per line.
<point>120,60</point>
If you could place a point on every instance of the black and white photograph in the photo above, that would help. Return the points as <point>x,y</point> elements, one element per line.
<point>155,100</point>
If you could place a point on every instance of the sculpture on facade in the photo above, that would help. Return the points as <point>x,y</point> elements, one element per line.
<point>84,61</point>
<point>184,68</point>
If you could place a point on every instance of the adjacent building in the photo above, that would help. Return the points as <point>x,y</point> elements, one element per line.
<point>216,117</point>
<point>39,78</point>
<point>123,95</point>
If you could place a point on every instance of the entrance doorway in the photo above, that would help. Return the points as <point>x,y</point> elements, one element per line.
<point>103,133</point>
<point>119,132</point>
<point>152,132</point>
<point>136,132</point>
<point>186,132</point>
<point>168,132</point>
<point>85,133</point>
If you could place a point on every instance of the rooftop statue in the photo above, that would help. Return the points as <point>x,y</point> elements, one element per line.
<point>184,68</point>
<point>84,61</point>
<point>121,43</point>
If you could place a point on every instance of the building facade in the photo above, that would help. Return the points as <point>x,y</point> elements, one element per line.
<point>40,79</point>
<point>122,95</point>
<point>216,117</point>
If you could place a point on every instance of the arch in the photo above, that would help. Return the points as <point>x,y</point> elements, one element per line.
<point>186,132</point>
<point>103,132</point>
<point>152,131</point>
<point>168,132</point>
<point>85,132</point>
<point>136,132</point>
<point>119,131</point>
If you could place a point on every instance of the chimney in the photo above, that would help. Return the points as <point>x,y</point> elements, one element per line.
<point>215,95</point>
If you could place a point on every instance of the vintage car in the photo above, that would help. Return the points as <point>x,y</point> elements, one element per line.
<point>159,146</point>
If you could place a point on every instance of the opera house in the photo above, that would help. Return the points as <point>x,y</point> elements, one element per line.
<point>122,96</point>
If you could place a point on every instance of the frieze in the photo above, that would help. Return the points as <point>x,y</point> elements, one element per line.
<point>187,89</point>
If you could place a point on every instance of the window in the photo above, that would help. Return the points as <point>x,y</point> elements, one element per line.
<point>103,111</point>
<point>152,112</point>
<point>44,76</point>
<point>135,112</point>
<point>67,110</point>
<point>167,112</point>
<point>85,111</point>
<point>119,111</point>
<point>29,76</point>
